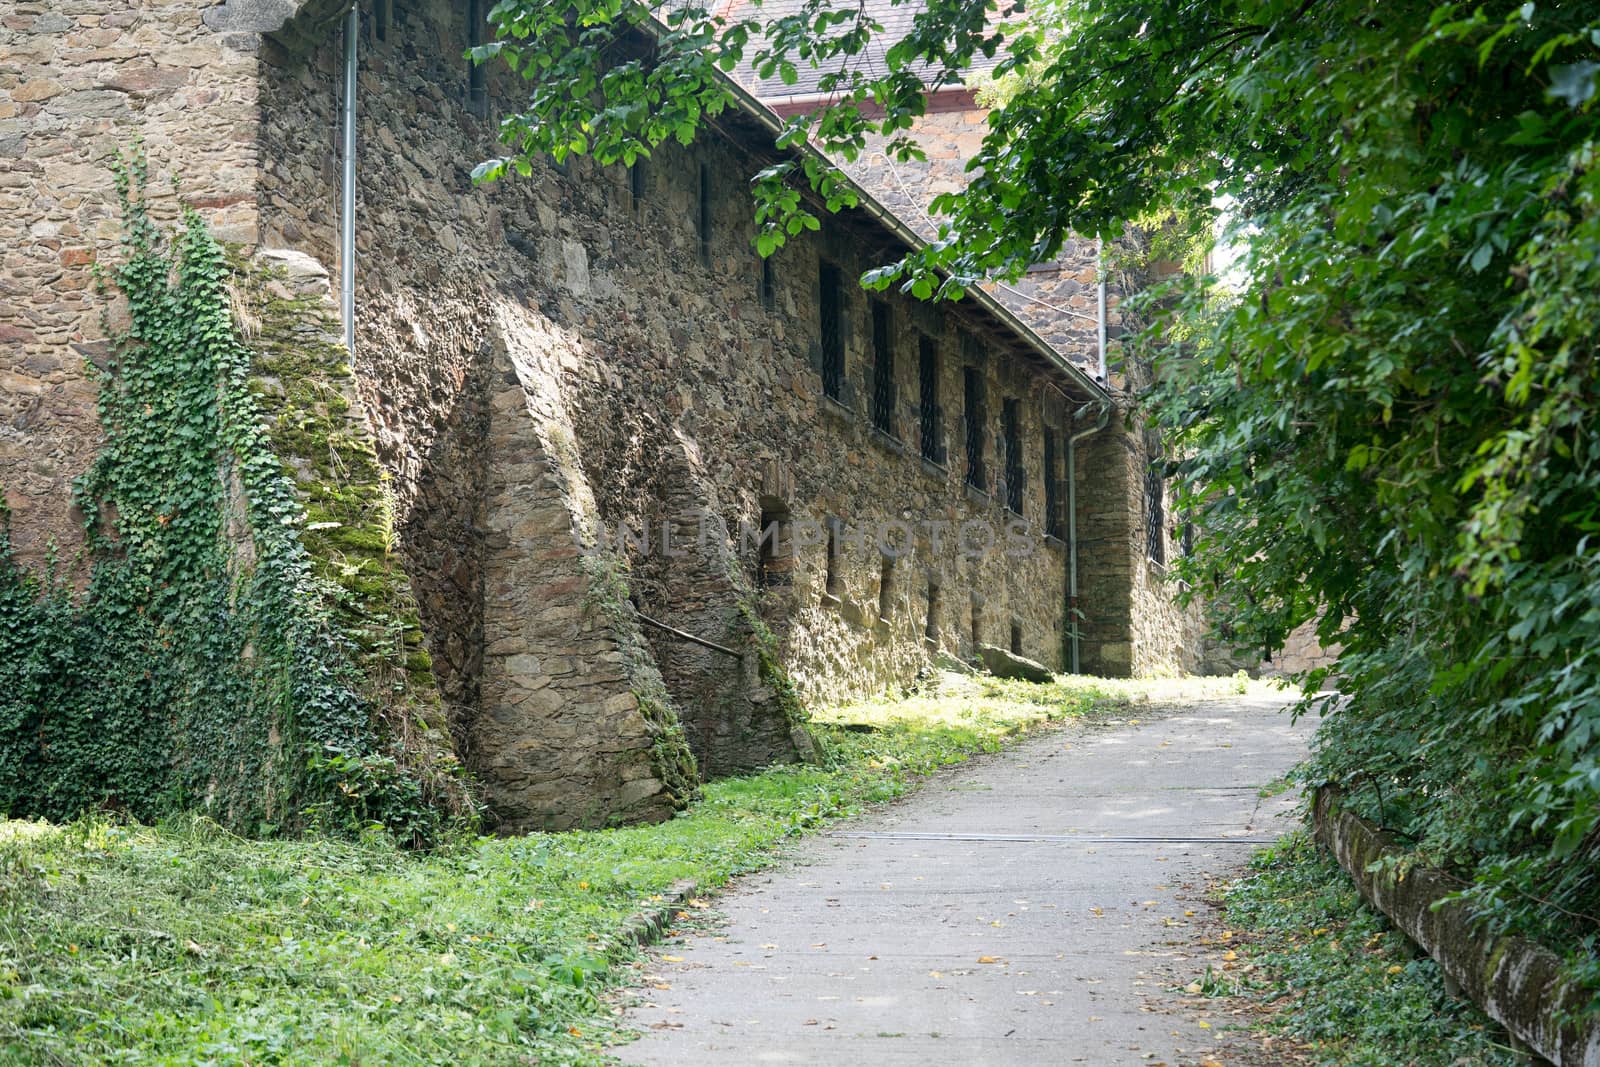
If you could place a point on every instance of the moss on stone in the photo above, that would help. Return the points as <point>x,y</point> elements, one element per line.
<point>304,389</point>
<point>671,759</point>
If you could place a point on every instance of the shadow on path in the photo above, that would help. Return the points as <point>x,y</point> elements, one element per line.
<point>1031,908</point>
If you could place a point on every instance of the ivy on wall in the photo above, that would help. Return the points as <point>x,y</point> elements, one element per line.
<point>203,666</point>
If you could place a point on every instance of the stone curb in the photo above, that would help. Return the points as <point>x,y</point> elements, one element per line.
<point>645,927</point>
<point>1517,982</point>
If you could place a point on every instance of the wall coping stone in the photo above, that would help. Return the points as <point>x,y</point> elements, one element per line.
<point>1517,982</point>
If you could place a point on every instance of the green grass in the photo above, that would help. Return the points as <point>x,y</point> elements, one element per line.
<point>1343,983</point>
<point>183,944</point>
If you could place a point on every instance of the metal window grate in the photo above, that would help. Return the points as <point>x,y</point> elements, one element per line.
<point>1052,487</point>
<point>882,369</point>
<point>477,74</point>
<point>972,387</point>
<point>829,310</point>
<point>705,214</point>
<point>1155,513</point>
<point>928,397</point>
<point>636,185</point>
<point>1010,420</point>
<point>768,289</point>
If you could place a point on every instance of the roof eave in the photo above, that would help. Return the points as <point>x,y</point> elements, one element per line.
<point>752,106</point>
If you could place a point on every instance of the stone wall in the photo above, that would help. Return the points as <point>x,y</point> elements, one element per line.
<point>1132,623</point>
<point>1058,300</point>
<point>676,380</point>
<point>543,360</point>
<point>79,80</point>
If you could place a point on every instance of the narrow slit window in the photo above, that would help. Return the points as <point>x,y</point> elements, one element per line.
<point>830,311</point>
<point>477,73</point>
<point>636,185</point>
<point>1016,638</point>
<point>832,585</point>
<point>882,368</point>
<point>775,563</point>
<point>886,588</point>
<point>1010,419</point>
<point>705,213</point>
<point>928,397</point>
<point>930,628</point>
<point>1052,486</point>
<point>977,624</point>
<point>768,289</point>
<point>972,388</point>
<point>1155,513</point>
<point>383,13</point>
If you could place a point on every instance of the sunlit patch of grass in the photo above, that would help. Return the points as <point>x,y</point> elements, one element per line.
<point>184,944</point>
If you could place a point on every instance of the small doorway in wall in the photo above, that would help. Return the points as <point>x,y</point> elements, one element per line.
<point>775,558</point>
<point>1016,638</point>
<point>930,628</point>
<point>832,584</point>
<point>977,623</point>
<point>886,588</point>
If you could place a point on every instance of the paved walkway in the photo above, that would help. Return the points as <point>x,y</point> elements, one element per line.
<point>1030,908</point>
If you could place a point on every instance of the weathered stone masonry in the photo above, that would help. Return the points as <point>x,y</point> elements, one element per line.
<point>545,359</point>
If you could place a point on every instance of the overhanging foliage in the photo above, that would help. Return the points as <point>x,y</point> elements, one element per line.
<point>1387,416</point>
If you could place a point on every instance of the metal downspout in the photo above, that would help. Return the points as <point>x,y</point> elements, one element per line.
<point>1100,272</point>
<point>1074,634</point>
<point>347,190</point>
<point>1072,530</point>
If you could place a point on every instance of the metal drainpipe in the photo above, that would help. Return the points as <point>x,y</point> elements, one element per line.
<point>1100,271</point>
<point>1072,531</point>
<point>1071,636</point>
<point>347,192</point>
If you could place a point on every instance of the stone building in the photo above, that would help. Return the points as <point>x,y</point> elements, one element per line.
<point>587,393</point>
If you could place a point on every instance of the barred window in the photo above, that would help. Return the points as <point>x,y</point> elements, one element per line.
<point>972,387</point>
<point>882,369</point>
<point>1010,423</point>
<point>768,289</point>
<point>637,183</point>
<point>928,398</point>
<point>477,73</point>
<point>1155,513</point>
<point>1052,487</point>
<point>830,311</point>
<point>705,214</point>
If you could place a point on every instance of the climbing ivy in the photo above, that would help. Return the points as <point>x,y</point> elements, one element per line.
<point>201,667</point>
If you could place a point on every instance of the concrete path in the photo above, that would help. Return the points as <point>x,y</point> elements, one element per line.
<point>1029,908</point>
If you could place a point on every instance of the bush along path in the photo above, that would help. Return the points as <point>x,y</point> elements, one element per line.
<point>1323,979</point>
<point>185,944</point>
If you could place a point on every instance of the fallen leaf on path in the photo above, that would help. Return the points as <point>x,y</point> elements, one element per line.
<point>990,959</point>
<point>673,959</point>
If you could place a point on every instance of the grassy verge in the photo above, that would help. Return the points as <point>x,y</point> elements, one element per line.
<point>1334,982</point>
<point>183,944</point>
